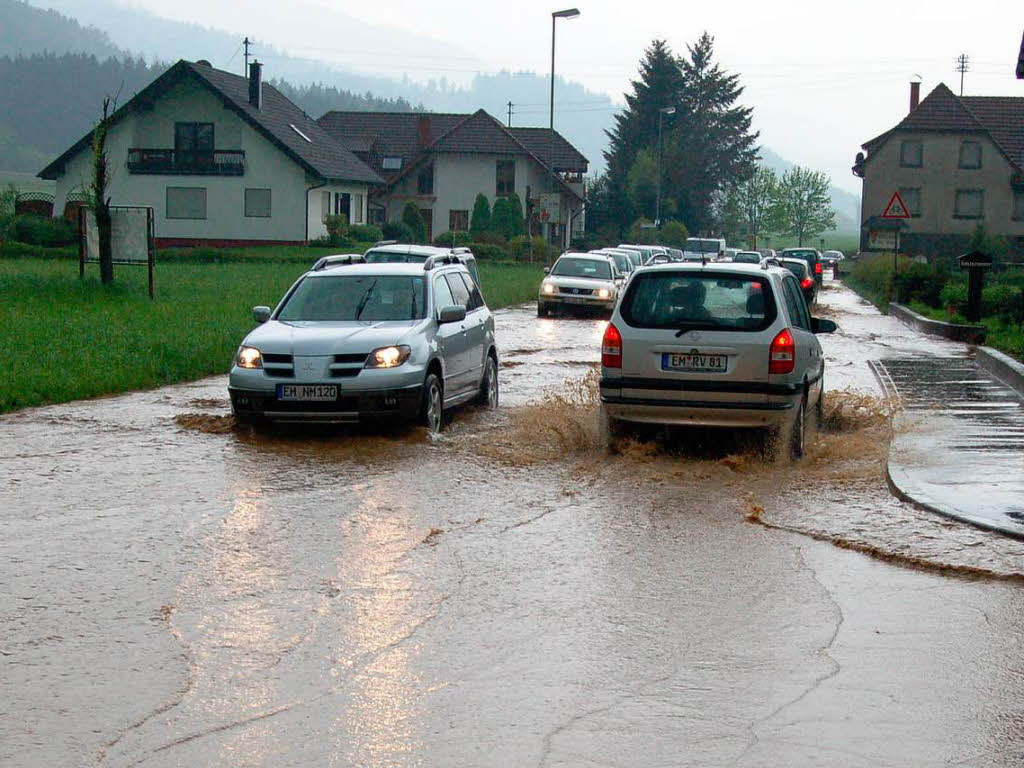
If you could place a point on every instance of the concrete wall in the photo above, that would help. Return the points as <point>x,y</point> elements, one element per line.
<point>266,167</point>
<point>939,178</point>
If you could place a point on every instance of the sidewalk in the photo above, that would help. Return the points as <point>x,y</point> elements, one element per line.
<point>959,443</point>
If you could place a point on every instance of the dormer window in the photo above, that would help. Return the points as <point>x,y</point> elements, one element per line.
<point>391,163</point>
<point>970,154</point>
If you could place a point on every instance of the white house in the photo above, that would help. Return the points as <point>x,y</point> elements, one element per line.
<point>440,162</point>
<point>222,159</point>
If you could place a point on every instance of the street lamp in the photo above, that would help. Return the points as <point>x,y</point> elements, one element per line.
<point>568,13</point>
<point>657,207</point>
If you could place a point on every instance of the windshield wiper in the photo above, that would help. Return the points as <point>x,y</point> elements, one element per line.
<point>687,327</point>
<point>365,300</point>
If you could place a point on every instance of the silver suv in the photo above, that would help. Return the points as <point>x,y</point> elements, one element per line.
<point>717,344</point>
<point>353,341</point>
<point>579,281</point>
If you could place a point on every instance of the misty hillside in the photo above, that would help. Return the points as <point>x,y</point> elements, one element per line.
<point>25,29</point>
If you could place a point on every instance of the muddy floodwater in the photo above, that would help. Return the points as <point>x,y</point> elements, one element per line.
<point>175,591</point>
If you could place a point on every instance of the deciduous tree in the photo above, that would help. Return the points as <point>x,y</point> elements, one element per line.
<point>803,205</point>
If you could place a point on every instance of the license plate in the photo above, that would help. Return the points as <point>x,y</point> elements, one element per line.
<point>693,362</point>
<point>307,392</point>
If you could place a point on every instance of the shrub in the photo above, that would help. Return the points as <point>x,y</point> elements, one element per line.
<point>42,230</point>
<point>481,219</point>
<point>337,228</point>
<point>920,282</point>
<point>673,233</point>
<point>453,239</point>
<point>365,233</point>
<point>517,222</point>
<point>8,198</point>
<point>1000,300</point>
<point>492,238</point>
<point>520,248</point>
<point>488,251</point>
<point>397,230</point>
<point>642,232</point>
<point>413,219</point>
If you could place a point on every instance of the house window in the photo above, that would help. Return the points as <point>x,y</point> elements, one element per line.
<point>257,203</point>
<point>911,154</point>
<point>357,209</point>
<point>912,197</point>
<point>969,204</point>
<point>193,138</point>
<point>1018,206</point>
<point>458,221</point>
<point>970,154</point>
<point>342,204</point>
<point>186,202</point>
<point>325,206</point>
<point>391,163</point>
<point>506,178</point>
<point>425,180</point>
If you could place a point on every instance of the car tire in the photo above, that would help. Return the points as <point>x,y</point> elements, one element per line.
<point>432,407</point>
<point>819,407</point>
<point>488,396</point>
<point>798,432</point>
<point>542,311</point>
<point>609,429</point>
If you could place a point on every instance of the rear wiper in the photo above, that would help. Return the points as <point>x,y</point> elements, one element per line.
<point>695,327</point>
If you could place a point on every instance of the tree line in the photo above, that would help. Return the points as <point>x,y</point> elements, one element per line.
<point>683,152</point>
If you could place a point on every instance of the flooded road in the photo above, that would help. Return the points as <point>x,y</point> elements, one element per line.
<point>508,594</point>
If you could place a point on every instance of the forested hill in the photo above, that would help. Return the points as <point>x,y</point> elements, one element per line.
<point>25,29</point>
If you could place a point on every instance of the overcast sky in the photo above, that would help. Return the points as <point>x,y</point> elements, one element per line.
<point>823,77</point>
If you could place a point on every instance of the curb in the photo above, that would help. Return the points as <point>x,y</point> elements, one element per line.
<point>971,334</point>
<point>1003,367</point>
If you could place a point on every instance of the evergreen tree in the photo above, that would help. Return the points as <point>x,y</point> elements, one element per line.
<point>803,203</point>
<point>481,219</point>
<point>412,218</point>
<point>502,217</point>
<point>517,225</point>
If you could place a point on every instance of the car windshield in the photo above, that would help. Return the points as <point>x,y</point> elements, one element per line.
<point>698,245</point>
<point>356,297</point>
<point>588,268</point>
<point>798,268</point>
<point>388,257</point>
<point>686,300</point>
<point>747,258</point>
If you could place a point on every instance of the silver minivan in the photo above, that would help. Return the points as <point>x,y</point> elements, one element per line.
<point>719,345</point>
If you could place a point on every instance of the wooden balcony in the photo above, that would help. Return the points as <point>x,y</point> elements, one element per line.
<point>170,162</point>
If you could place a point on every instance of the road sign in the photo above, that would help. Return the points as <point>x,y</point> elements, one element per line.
<point>881,239</point>
<point>896,209</point>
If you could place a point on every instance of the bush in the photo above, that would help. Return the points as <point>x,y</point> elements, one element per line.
<point>413,219</point>
<point>42,230</point>
<point>397,230</point>
<point>642,232</point>
<point>337,228</point>
<point>453,239</point>
<point>365,233</point>
<point>673,233</point>
<point>492,238</point>
<point>1005,302</point>
<point>488,251</point>
<point>520,248</point>
<point>480,221</point>
<point>920,282</point>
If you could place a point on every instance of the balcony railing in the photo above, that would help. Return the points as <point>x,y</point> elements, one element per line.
<point>216,162</point>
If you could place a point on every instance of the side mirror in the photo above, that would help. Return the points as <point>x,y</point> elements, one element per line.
<point>452,314</point>
<point>820,325</point>
<point>261,314</point>
<point>547,270</point>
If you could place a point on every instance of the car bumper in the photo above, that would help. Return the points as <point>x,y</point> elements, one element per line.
<point>352,406</point>
<point>575,302</point>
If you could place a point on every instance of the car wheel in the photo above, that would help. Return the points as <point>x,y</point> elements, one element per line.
<point>819,407</point>
<point>488,396</point>
<point>542,311</point>
<point>798,433</point>
<point>432,409</point>
<point>609,429</point>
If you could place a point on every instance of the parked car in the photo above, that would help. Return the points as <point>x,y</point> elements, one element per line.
<point>746,257</point>
<point>703,249</point>
<point>387,252</point>
<point>801,272</point>
<point>579,281</point>
<point>360,342</point>
<point>719,345</point>
<point>809,255</point>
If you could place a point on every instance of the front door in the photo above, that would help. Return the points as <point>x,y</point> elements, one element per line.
<point>451,339</point>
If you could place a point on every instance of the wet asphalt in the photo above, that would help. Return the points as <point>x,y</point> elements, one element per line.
<point>507,595</point>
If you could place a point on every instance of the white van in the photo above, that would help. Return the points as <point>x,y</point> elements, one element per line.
<point>703,249</point>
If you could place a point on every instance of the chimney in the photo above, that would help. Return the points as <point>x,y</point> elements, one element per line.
<point>915,95</point>
<point>256,85</point>
<point>424,130</point>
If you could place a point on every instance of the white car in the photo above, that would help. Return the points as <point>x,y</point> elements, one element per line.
<point>579,281</point>
<point>720,345</point>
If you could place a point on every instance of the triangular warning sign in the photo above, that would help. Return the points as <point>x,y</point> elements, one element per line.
<point>896,209</point>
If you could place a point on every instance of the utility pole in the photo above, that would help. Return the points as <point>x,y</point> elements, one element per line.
<point>963,64</point>
<point>510,114</point>
<point>246,43</point>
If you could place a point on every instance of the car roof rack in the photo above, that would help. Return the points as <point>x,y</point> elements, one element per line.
<point>770,261</point>
<point>439,261</point>
<point>339,260</point>
<point>379,243</point>
<point>461,249</point>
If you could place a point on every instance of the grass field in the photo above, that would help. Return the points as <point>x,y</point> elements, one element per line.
<point>67,339</point>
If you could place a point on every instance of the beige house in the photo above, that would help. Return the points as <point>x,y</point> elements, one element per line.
<point>440,162</point>
<point>956,161</point>
<point>222,159</point>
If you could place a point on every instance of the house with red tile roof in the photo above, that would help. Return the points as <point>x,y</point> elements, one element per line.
<point>957,162</point>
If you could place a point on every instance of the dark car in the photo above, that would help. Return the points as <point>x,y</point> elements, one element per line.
<point>809,255</point>
<point>800,270</point>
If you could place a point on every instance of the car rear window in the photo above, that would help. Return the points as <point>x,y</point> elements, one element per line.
<point>798,268</point>
<point>387,257</point>
<point>747,258</point>
<point>684,300</point>
<point>356,297</point>
<point>593,268</point>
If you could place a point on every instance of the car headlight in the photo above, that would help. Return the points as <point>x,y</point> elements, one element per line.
<point>249,357</point>
<point>604,293</point>
<point>388,357</point>
<point>549,288</point>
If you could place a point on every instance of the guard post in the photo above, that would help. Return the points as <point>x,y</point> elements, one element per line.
<point>976,263</point>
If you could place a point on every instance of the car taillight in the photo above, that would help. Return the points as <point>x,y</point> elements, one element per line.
<point>817,267</point>
<point>806,283</point>
<point>611,348</point>
<point>782,355</point>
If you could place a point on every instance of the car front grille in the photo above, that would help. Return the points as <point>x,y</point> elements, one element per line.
<point>347,366</point>
<point>278,366</point>
<point>576,291</point>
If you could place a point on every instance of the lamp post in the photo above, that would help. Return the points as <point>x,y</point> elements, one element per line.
<point>657,206</point>
<point>568,13</point>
